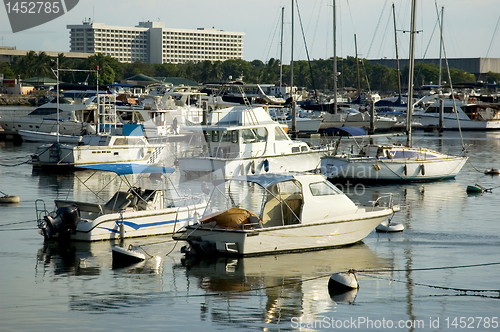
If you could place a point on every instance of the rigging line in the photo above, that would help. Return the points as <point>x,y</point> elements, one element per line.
<point>493,38</point>
<point>463,290</point>
<point>307,52</point>
<point>376,29</point>
<point>449,78</point>
<point>272,39</point>
<point>17,223</point>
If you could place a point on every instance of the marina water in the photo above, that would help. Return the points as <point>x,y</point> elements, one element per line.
<point>433,276</point>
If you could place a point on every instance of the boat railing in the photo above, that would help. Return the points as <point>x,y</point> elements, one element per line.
<point>41,209</point>
<point>387,200</point>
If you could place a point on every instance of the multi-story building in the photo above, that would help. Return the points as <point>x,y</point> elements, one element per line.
<point>151,42</point>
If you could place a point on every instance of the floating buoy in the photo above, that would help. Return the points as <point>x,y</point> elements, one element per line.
<point>477,189</point>
<point>9,199</point>
<point>124,257</point>
<point>348,296</point>
<point>342,282</point>
<point>492,171</point>
<point>390,227</point>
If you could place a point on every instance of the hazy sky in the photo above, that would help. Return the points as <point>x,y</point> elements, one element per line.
<point>469,25</point>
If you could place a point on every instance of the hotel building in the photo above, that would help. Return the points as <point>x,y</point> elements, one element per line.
<point>151,42</point>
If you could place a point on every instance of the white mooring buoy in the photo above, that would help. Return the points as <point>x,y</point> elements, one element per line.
<point>342,282</point>
<point>389,227</point>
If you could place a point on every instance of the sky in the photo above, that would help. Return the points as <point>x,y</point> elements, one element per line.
<point>469,28</point>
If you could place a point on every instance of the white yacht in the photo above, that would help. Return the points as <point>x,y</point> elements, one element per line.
<point>73,118</point>
<point>472,116</point>
<point>240,141</point>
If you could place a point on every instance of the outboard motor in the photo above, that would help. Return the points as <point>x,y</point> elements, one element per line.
<point>62,225</point>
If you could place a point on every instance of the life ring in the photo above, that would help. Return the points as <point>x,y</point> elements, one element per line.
<point>10,199</point>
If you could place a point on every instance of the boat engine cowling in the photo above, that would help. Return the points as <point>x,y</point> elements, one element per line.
<point>63,224</point>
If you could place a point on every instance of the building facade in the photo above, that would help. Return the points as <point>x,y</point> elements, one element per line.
<point>151,42</point>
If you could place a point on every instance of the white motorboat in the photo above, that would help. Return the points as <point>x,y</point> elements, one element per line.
<point>243,141</point>
<point>353,118</point>
<point>480,116</point>
<point>281,212</point>
<point>394,162</point>
<point>132,213</point>
<point>73,118</point>
<point>98,149</point>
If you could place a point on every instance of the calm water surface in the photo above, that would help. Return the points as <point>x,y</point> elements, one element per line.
<point>52,288</point>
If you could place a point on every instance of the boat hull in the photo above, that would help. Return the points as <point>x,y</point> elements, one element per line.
<point>194,167</point>
<point>451,123</point>
<point>302,237</point>
<point>136,223</point>
<point>373,169</point>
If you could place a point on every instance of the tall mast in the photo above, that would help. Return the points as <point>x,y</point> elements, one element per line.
<point>440,44</point>
<point>281,47</point>
<point>334,60</point>
<point>409,111</point>
<point>357,67</point>
<point>397,55</point>
<point>294,119</point>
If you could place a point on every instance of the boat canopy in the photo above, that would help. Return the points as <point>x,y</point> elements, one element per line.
<point>128,168</point>
<point>264,180</point>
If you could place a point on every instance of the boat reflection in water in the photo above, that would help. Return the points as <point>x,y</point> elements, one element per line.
<point>88,259</point>
<point>294,285</point>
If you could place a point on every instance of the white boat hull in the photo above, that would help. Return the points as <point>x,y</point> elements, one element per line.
<point>136,223</point>
<point>70,155</point>
<point>193,167</point>
<point>373,169</point>
<point>37,136</point>
<point>334,232</point>
<point>451,123</point>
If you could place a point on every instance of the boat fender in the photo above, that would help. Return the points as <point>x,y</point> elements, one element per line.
<point>141,153</point>
<point>492,171</point>
<point>376,167</point>
<point>405,169</point>
<point>422,169</point>
<point>252,167</point>
<point>266,165</point>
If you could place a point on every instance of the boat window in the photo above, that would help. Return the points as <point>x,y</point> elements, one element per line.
<point>248,136</point>
<point>261,134</point>
<point>234,136</point>
<point>434,109</point>
<point>215,136</point>
<point>280,134</point>
<point>323,188</point>
<point>295,149</point>
<point>44,111</point>
<point>304,148</point>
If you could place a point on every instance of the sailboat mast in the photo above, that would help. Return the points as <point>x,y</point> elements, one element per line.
<point>334,59</point>
<point>397,55</point>
<point>409,111</point>
<point>441,45</point>
<point>281,47</point>
<point>357,67</point>
<point>294,119</point>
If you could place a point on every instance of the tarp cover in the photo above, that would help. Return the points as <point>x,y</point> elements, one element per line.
<point>128,168</point>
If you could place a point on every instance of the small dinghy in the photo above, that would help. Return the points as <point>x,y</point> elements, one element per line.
<point>477,189</point>
<point>9,199</point>
<point>124,257</point>
<point>389,227</point>
<point>492,171</point>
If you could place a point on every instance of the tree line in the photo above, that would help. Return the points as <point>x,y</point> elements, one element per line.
<point>316,74</point>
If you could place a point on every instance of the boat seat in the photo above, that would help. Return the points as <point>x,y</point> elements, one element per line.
<point>120,201</point>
